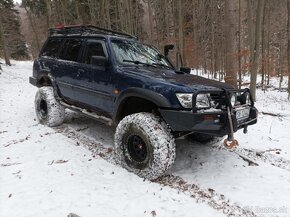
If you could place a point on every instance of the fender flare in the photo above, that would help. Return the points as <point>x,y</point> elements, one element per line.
<point>44,74</point>
<point>47,75</point>
<point>149,95</point>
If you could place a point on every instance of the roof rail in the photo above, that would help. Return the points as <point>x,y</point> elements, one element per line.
<point>85,29</point>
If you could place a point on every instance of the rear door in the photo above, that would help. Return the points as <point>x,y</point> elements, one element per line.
<point>67,68</point>
<point>48,61</point>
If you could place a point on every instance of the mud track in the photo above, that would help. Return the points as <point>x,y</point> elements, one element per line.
<point>253,156</point>
<point>208,196</point>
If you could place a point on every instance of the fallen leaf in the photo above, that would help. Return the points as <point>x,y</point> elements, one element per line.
<point>9,164</point>
<point>73,215</point>
<point>101,155</point>
<point>61,161</point>
<point>153,213</point>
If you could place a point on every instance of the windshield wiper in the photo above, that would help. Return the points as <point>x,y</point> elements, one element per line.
<point>161,64</point>
<point>138,63</point>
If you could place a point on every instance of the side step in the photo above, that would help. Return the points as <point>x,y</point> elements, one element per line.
<point>94,115</point>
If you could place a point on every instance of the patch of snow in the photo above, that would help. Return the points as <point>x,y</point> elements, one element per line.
<point>43,173</point>
<point>46,173</point>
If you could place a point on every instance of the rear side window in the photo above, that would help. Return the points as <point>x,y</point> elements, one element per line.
<point>71,49</point>
<point>51,47</point>
<point>93,48</point>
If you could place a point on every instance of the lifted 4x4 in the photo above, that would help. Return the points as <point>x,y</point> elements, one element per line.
<point>114,78</point>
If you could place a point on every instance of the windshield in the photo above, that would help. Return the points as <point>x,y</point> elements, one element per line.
<point>132,52</point>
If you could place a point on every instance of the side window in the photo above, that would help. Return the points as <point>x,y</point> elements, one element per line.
<point>71,49</point>
<point>51,47</point>
<point>93,48</point>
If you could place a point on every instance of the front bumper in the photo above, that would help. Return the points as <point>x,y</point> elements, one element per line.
<point>212,123</point>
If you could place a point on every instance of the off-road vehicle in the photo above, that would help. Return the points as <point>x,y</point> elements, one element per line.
<point>113,77</point>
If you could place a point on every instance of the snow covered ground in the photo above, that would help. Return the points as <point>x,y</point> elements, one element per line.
<point>71,169</point>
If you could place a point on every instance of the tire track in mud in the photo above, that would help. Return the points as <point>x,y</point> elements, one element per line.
<point>258,156</point>
<point>265,157</point>
<point>210,197</point>
<point>13,142</point>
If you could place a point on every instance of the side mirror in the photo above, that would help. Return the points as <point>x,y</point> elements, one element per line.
<point>186,70</point>
<point>167,48</point>
<point>99,61</point>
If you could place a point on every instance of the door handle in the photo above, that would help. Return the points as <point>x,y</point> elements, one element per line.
<point>79,72</point>
<point>54,67</point>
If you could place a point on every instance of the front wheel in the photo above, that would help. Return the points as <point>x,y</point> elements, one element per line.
<point>144,145</point>
<point>48,110</point>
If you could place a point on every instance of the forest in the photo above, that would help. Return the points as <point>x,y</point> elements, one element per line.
<point>98,123</point>
<point>222,39</point>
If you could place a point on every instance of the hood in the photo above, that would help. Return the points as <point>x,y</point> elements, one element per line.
<point>192,81</point>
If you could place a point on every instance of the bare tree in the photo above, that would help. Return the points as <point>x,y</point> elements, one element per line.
<point>3,39</point>
<point>180,29</point>
<point>256,51</point>
<point>288,30</point>
<point>230,62</point>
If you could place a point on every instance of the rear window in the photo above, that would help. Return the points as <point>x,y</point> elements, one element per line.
<point>51,47</point>
<point>71,49</point>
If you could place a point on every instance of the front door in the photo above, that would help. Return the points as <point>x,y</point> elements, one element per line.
<point>93,87</point>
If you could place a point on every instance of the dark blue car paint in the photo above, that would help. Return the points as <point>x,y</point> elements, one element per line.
<point>103,89</point>
<point>94,86</point>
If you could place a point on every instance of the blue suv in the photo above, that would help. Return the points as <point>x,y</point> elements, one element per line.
<point>114,78</point>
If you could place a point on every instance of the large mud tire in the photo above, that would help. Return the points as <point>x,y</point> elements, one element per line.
<point>156,139</point>
<point>48,110</point>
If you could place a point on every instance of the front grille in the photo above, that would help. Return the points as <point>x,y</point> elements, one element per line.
<point>218,100</point>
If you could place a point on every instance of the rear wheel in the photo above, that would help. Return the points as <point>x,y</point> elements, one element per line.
<point>144,145</point>
<point>48,110</point>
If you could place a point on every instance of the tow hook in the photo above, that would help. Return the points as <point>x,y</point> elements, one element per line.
<point>230,142</point>
<point>245,131</point>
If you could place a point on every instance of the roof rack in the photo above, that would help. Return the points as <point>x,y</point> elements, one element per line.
<point>85,30</point>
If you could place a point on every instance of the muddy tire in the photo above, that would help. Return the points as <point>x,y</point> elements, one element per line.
<point>144,145</point>
<point>48,110</point>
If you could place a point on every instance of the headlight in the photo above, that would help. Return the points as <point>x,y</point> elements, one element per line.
<point>234,99</point>
<point>203,101</point>
<point>185,99</point>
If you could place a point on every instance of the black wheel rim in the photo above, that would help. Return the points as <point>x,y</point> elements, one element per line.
<point>137,148</point>
<point>43,108</point>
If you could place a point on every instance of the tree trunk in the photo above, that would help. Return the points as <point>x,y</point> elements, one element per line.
<point>263,48</point>
<point>230,61</point>
<point>268,47</point>
<point>239,48</point>
<point>48,13</point>
<point>288,29</point>
<point>250,25</point>
<point>180,30</point>
<point>4,45</point>
<point>33,29</point>
<point>150,14</point>
<point>256,51</point>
